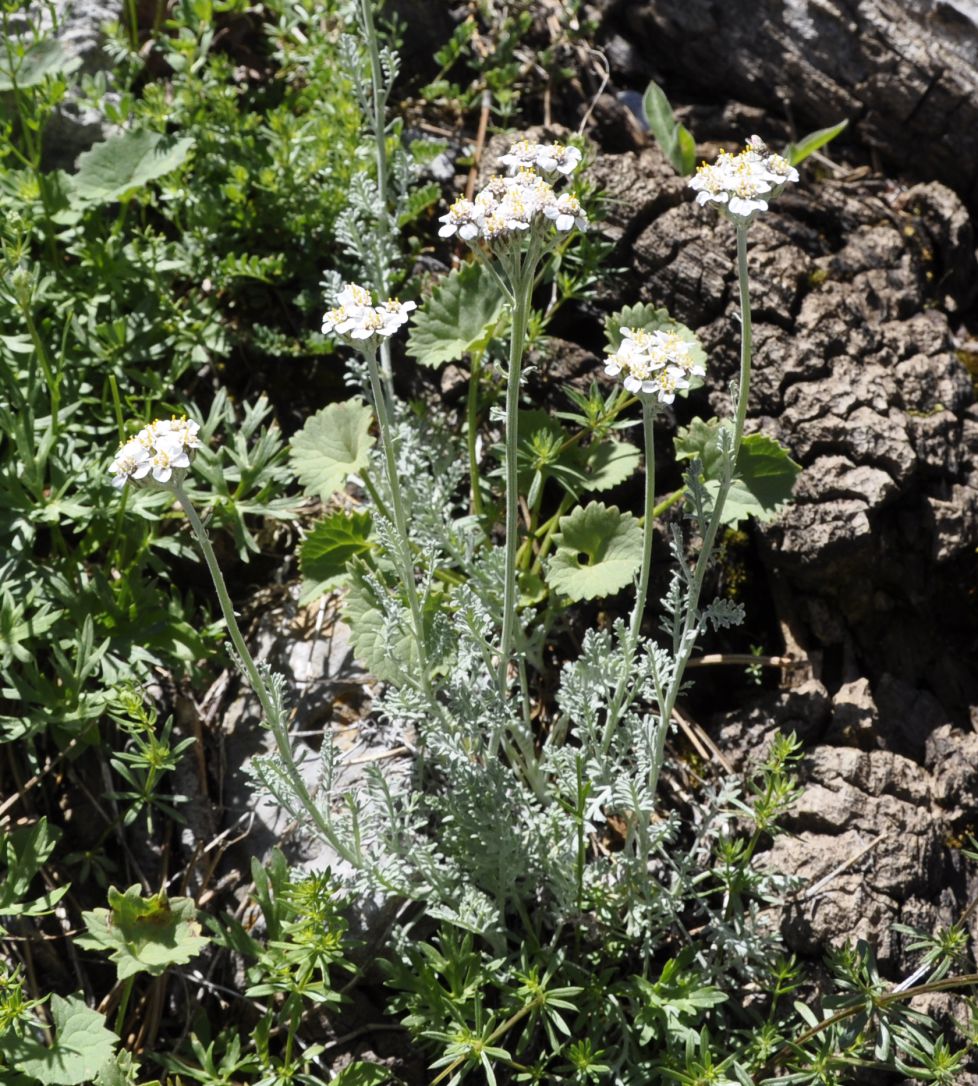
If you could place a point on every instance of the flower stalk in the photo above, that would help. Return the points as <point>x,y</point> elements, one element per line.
<point>642,592</point>
<point>685,642</point>
<point>270,709</point>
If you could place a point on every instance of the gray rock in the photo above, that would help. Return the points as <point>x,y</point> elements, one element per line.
<point>75,128</point>
<point>855,718</point>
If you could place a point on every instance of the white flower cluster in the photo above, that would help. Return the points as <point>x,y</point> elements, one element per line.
<point>545,157</point>
<point>742,184</point>
<point>161,451</point>
<point>357,318</point>
<point>657,363</point>
<point>510,206</point>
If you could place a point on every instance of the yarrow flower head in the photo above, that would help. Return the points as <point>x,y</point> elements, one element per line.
<point>510,207</point>
<point>355,318</point>
<point>657,363</point>
<point>161,452</point>
<point>741,185</point>
<point>545,157</point>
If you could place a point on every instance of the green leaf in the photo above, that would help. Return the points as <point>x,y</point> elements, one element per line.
<point>798,152</point>
<point>698,441</point>
<point>418,201</point>
<point>763,482</point>
<point>46,58</point>
<point>329,547</point>
<point>144,935</point>
<point>81,1046</point>
<point>676,141</point>
<point>764,478</point>
<point>459,317</point>
<point>22,854</point>
<point>125,162</point>
<point>599,550</point>
<point>609,463</point>
<point>333,444</point>
<point>362,1073</point>
<point>121,1069</point>
<point>387,650</point>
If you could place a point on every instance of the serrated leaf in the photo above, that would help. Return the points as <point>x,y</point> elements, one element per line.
<point>144,935</point>
<point>334,444</point>
<point>418,201</point>
<point>329,547</point>
<point>808,145</point>
<point>362,1073</point>
<point>764,478</point>
<point>387,651</point>
<point>698,441</point>
<point>121,1069</point>
<point>650,319</point>
<point>676,141</point>
<point>43,59</point>
<point>81,1046</point>
<point>125,162</point>
<point>763,483</point>
<point>458,318</point>
<point>599,550</point>
<point>609,463</point>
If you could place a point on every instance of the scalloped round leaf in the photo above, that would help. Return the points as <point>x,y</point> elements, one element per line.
<point>37,62</point>
<point>334,444</point>
<point>698,441</point>
<point>599,550</point>
<point>144,935</point>
<point>459,317</point>
<point>329,547</point>
<point>764,481</point>
<point>388,649</point>
<point>640,315</point>
<point>609,463</point>
<point>81,1046</point>
<point>125,162</point>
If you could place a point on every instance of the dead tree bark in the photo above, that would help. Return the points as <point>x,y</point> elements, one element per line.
<point>904,72</point>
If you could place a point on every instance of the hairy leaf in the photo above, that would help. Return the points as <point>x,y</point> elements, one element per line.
<point>609,463</point>
<point>763,483</point>
<point>676,141</point>
<point>764,477</point>
<point>459,317</point>
<point>328,548</point>
<point>129,161</point>
<point>81,1046</point>
<point>333,444</point>
<point>43,59</point>
<point>808,145</point>
<point>599,550</point>
<point>361,1073</point>
<point>144,935</point>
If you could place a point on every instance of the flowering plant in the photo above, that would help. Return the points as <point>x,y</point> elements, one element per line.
<point>161,451</point>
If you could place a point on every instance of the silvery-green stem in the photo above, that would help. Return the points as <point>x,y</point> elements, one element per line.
<point>683,648</point>
<point>379,95</point>
<point>400,518</point>
<point>641,595</point>
<point>271,713</point>
<point>521,309</point>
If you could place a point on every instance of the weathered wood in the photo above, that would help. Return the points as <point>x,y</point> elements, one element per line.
<point>905,72</point>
